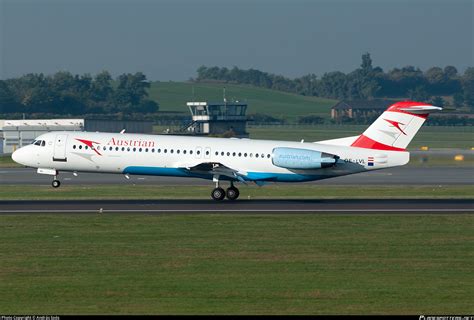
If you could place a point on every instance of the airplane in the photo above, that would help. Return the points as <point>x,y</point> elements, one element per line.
<point>382,145</point>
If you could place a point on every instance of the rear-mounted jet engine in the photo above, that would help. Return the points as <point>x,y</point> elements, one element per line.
<point>302,159</point>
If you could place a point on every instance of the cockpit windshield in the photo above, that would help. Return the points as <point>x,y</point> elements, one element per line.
<point>41,143</point>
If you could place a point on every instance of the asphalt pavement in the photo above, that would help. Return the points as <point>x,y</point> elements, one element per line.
<point>392,176</point>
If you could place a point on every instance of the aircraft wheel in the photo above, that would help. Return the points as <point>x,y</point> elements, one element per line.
<point>218,194</point>
<point>232,193</point>
<point>56,183</point>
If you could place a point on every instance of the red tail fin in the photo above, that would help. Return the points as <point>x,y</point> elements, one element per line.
<point>396,127</point>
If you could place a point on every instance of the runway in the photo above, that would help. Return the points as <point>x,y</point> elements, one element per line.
<point>358,206</point>
<point>393,176</point>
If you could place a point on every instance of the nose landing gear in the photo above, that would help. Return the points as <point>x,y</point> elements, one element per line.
<point>56,183</point>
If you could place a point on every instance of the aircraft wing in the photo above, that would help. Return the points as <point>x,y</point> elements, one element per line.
<point>217,169</point>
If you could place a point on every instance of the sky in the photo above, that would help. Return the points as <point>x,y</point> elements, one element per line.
<point>170,39</point>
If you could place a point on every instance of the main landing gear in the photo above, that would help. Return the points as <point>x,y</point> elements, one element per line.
<point>219,194</point>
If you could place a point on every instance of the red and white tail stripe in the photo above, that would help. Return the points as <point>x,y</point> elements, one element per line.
<point>396,127</point>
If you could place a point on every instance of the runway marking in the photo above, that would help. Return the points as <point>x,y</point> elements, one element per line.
<point>233,210</point>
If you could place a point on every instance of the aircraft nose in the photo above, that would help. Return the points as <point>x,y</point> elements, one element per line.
<point>19,156</point>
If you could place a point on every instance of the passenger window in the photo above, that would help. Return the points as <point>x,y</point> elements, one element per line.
<point>245,154</point>
<point>86,147</point>
<point>184,151</point>
<point>74,146</point>
<point>217,153</point>
<point>233,154</point>
<point>146,149</point>
<point>153,150</point>
<point>190,151</point>
<point>140,150</point>
<point>128,149</point>
<point>171,151</point>
<point>123,148</point>
<point>228,153</point>
<point>177,151</point>
<point>268,155</point>
<point>165,151</point>
<point>80,147</point>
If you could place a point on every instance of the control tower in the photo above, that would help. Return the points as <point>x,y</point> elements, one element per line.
<point>218,118</point>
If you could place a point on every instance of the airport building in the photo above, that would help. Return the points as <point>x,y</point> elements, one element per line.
<point>17,133</point>
<point>218,118</point>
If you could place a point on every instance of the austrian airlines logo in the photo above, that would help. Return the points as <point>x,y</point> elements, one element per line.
<point>90,144</point>
<point>396,124</point>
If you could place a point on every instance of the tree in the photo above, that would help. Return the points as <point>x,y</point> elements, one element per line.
<point>7,99</point>
<point>366,65</point>
<point>458,100</point>
<point>132,89</point>
<point>435,75</point>
<point>438,101</point>
<point>468,87</point>
<point>418,94</point>
<point>450,72</point>
<point>101,89</point>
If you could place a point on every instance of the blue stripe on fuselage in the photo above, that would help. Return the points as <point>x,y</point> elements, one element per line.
<point>251,176</point>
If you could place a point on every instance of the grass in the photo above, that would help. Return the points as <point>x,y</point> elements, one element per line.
<point>427,160</point>
<point>433,137</point>
<point>172,97</point>
<point>236,264</point>
<point>7,162</point>
<point>277,191</point>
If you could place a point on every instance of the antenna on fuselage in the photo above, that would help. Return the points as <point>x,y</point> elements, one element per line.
<point>123,131</point>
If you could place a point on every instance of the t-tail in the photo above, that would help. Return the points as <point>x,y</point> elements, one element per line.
<point>396,127</point>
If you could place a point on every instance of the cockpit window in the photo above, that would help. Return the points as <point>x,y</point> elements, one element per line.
<point>41,143</point>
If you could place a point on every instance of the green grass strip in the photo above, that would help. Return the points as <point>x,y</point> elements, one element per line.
<point>277,191</point>
<point>236,264</point>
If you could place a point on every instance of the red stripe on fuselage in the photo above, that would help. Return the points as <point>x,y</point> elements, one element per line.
<point>367,143</point>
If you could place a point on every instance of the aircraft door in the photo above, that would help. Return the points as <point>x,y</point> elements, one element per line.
<point>60,148</point>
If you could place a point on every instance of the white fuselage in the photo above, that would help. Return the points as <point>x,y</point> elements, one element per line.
<point>169,155</point>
